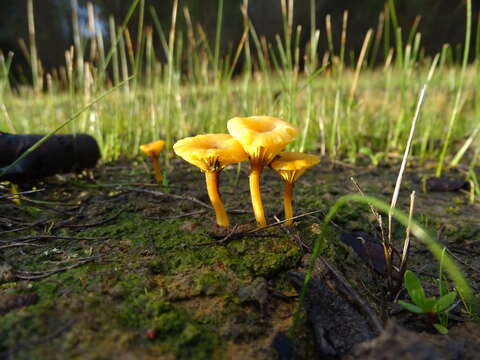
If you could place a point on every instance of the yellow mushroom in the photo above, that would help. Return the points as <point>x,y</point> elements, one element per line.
<point>263,138</point>
<point>153,150</point>
<point>211,153</point>
<point>290,166</point>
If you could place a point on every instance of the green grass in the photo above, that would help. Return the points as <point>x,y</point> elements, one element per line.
<point>342,111</point>
<point>378,118</point>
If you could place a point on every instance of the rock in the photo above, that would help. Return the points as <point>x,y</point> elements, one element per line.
<point>6,273</point>
<point>11,302</point>
<point>396,343</point>
<point>337,325</point>
<point>284,346</point>
<point>256,292</point>
<point>117,292</point>
<point>367,247</point>
<point>445,184</point>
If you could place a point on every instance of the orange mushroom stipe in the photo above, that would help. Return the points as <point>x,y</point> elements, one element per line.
<point>291,166</point>
<point>211,153</point>
<point>153,150</point>
<point>262,138</point>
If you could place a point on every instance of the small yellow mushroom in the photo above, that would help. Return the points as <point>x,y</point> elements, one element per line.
<point>290,166</point>
<point>211,153</point>
<point>153,150</point>
<point>263,138</point>
<point>15,197</point>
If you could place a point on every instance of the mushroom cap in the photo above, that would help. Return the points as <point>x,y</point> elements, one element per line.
<point>292,165</point>
<point>210,152</point>
<point>262,137</point>
<point>153,148</point>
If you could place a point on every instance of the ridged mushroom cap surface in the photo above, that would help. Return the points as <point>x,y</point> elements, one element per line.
<point>262,137</point>
<point>153,148</point>
<point>292,165</point>
<point>210,152</point>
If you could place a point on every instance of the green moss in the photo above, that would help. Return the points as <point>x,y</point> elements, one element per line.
<point>175,329</point>
<point>460,231</point>
<point>186,338</point>
<point>25,326</point>
<point>133,311</point>
<point>265,257</point>
<point>127,226</point>
<point>210,283</point>
<point>157,266</point>
<point>189,258</point>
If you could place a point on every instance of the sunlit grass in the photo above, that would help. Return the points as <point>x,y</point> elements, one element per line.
<point>342,111</point>
<point>377,118</point>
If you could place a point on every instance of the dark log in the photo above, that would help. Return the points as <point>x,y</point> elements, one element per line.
<point>337,325</point>
<point>57,155</point>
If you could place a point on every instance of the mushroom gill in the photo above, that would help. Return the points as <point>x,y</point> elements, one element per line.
<point>291,166</point>
<point>262,138</point>
<point>211,153</point>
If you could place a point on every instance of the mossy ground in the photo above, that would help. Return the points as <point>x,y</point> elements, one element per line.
<point>156,286</point>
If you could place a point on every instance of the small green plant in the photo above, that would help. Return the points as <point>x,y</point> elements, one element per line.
<point>436,310</point>
<point>375,157</point>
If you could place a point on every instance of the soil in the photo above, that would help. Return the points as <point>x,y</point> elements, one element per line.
<point>110,265</point>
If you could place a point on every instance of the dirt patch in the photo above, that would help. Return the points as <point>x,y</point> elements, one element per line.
<point>120,268</point>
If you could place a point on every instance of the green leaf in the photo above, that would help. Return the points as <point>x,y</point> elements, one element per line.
<point>429,305</point>
<point>441,329</point>
<point>412,308</point>
<point>366,151</point>
<point>445,302</point>
<point>414,288</point>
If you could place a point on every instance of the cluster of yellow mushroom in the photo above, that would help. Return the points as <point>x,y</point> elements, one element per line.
<point>260,139</point>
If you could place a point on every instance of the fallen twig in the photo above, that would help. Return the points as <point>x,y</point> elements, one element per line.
<point>166,195</point>
<point>44,274</point>
<point>102,222</point>
<point>193,213</point>
<point>29,239</point>
<point>42,205</point>
<point>13,195</point>
<point>282,221</point>
<point>295,237</point>
<point>25,227</point>
<point>222,241</point>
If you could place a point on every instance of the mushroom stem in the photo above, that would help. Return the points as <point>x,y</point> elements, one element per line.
<point>214,195</point>
<point>287,203</point>
<point>156,167</point>
<point>254,180</point>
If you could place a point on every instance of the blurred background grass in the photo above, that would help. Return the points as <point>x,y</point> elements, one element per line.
<point>347,73</point>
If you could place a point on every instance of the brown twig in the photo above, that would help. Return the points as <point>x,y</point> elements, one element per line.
<point>239,211</point>
<point>36,275</point>
<point>65,223</point>
<point>25,227</point>
<point>193,213</point>
<point>295,237</point>
<point>282,221</point>
<point>102,222</point>
<point>41,205</point>
<point>166,195</point>
<point>375,213</point>
<point>222,241</point>
<point>14,195</point>
<point>23,241</point>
